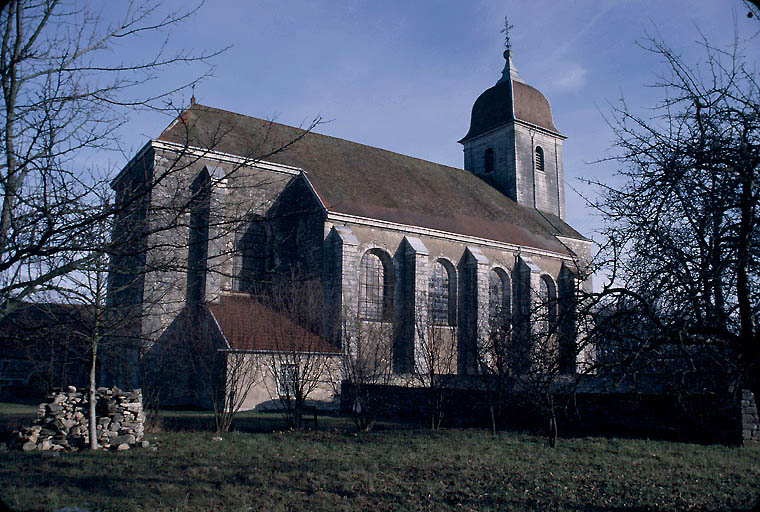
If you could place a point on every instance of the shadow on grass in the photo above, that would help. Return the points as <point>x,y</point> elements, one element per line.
<point>249,422</point>
<point>267,422</point>
<point>595,508</point>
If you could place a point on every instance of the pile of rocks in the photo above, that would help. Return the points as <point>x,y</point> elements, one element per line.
<point>62,423</point>
<point>750,418</point>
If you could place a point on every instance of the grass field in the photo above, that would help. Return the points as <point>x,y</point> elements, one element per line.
<point>396,468</point>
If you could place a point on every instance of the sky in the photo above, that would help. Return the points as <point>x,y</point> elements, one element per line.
<point>404,75</point>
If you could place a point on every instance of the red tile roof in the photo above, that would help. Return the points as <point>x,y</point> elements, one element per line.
<point>247,324</point>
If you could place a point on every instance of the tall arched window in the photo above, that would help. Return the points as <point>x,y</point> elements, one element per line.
<point>441,294</point>
<point>254,248</point>
<point>197,244</point>
<point>499,300</point>
<point>567,311</point>
<point>488,161</point>
<point>547,305</point>
<point>539,159</point>
<point>375,286</point>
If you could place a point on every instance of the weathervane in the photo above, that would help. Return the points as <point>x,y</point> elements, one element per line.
<point>505,31</point>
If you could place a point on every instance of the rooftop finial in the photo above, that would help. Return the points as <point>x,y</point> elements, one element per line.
<point>505,31</point>
<point>192,98</point>
<point>510,71</point>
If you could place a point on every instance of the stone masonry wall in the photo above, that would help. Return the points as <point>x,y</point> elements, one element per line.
<point>716,417</point>
<point>750,419</point>
<point>62,423</point>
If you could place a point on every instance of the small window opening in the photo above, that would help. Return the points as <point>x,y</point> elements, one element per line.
<point>375,289</point>
<point>441,296</point>
<point>488,161</point>
<point>539,159</point>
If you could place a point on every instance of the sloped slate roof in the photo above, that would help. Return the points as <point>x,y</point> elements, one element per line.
<point>532,106</point>
<point>494,108</point>
<point>365,181</point>
<point>250,325</point>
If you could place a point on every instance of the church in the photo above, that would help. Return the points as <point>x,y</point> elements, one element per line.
<point>237,206</point>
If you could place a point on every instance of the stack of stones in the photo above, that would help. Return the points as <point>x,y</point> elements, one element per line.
<point>750,419</point>
<point>62,423</point>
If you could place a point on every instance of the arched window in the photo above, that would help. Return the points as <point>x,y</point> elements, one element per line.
<point>547,305</point>
<point>499,300</point>
<point>255,248</point>
<point>197,244</point>
<point>539,159</point>
<point>375,286</point>
<point>441,294</point>
<point>567,310</point>
<point>488,161</point>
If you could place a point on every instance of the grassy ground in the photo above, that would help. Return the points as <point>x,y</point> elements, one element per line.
<point>334,468</point>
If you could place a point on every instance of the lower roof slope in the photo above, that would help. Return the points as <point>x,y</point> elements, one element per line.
<point>250,325</point>
<point>365,181</point>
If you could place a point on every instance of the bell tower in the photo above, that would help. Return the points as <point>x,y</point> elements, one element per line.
<point>513,144</point>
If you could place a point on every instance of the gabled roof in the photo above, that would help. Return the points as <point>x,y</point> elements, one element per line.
<point>247,324</point>
<point>365,181</point>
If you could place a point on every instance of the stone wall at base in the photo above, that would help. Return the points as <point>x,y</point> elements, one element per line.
<point>62,423</point>
<point>593,408</point>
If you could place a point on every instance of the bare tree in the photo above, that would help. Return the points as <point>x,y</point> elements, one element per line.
<point>241,373</point>
<point>106,326</point>
<point>85,292</point>
<point>496,357</point>
<point>88,288</point>
<point>366,363</point>
<point>222,376</point>
<point>62,99</point>
<point>65,98</point>
<point>298,360</point>
<point>683,230</point>
<point>435,358</point>
<point>537,350</point>
<point>47,340</point>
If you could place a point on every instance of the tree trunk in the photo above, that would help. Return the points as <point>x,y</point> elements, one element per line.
<point>298,412</point>
<point>93,399</point>
<point>552,431</point>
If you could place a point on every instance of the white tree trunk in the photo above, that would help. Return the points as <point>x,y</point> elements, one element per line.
<point>93,417</point>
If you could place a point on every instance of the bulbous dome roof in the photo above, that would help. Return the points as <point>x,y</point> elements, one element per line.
<point>508,100</point>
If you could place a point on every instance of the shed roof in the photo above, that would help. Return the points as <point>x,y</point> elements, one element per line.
<point>366,181</point>
<point>247,324</point>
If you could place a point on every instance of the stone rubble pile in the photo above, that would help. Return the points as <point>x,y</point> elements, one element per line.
<point>750,418</point>
<point>62,423</point>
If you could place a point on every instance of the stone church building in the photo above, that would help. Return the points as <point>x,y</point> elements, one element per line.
<point>237,204</point>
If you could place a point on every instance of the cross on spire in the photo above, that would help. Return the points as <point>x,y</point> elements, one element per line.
<point>505,31</point>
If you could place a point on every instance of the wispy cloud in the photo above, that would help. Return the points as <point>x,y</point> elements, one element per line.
<point>563,48</point>
<point>572,77</point>
<point>568,75</point>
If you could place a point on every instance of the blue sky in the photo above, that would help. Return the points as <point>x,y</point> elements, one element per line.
<point>404,75</point>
